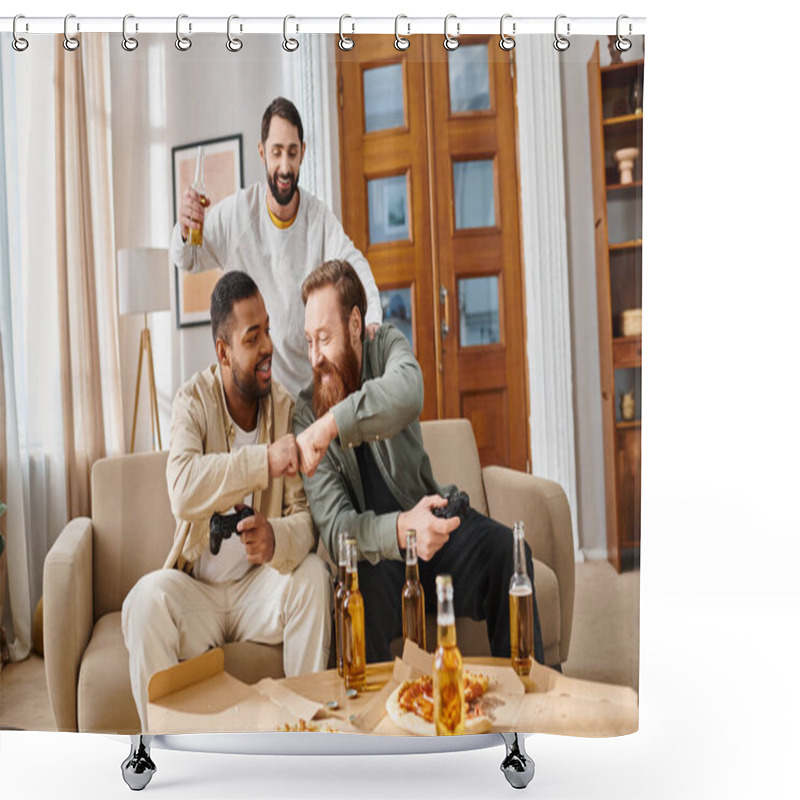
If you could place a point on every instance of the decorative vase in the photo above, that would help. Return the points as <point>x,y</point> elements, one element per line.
<point>627,406</point>
<point>625,159</point>
<point>635,97</point>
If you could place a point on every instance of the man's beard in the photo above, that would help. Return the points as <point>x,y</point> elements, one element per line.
<point>283,199</point>
<point>343,382</point>
<point>248,385</point>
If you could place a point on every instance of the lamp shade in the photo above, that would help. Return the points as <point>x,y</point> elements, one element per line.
<point>143,280</point>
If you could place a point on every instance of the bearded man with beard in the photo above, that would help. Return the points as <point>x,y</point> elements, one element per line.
<point>232,444</point>
<point>277,234</point>
<point>366,472</point>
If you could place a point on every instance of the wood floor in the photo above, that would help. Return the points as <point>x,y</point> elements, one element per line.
<point>604,647</point>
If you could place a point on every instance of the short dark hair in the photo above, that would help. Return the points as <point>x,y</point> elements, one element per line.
<point>231,287</point>
<point>285,109</point>
<point>344,279</point>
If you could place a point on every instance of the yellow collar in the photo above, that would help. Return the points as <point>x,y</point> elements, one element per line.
<point>281,224</point>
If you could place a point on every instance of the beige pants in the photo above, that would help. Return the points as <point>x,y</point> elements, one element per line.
<point>169,616</point>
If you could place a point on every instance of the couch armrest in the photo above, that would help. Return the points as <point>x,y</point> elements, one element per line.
<point>68,617</point>
<point>542,505</point>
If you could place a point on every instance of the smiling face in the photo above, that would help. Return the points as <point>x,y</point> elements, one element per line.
<point>334,348</point>
<point>246,356</point>
<point>282,154</point>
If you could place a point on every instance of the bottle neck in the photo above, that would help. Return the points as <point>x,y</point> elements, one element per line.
<point>520,564</point>
<point>199,184</point>
<point>352,580</point>
<point>445,620</point>
<point>412,567</point>
<point>352,566</point>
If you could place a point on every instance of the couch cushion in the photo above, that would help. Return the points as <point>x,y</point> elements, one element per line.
<point>105,700</point>
<point>450,445</point>
<point>251,662</point>
<point>132,524</point>
<point>473,639</point>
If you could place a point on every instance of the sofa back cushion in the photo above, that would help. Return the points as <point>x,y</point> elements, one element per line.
<point>132,524</point>
<point>450,444</point>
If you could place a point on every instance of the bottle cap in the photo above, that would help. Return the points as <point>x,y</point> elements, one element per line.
<point>444,582</point>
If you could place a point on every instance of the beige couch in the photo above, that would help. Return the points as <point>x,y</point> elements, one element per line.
<point>95,562</point>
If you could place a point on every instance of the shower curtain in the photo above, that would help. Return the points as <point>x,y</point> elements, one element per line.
<point>489,199</point>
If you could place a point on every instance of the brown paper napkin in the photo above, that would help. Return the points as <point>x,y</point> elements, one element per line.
<point>298,706</point>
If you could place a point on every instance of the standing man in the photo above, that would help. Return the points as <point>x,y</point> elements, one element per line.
<point>277,235</point>
<point>366,472</point>
<point>232,444</point>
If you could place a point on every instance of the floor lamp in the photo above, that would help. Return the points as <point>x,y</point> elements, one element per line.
<point>143,287</point>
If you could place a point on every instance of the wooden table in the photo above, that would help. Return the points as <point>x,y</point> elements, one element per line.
<point>199,696</point>
<point>552,703</point>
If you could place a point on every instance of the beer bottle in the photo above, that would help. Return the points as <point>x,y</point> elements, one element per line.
<point>195,238</point>
<point>520,607</point>
<point>338,598</point>
<point>413,597</point>
<point>355,654</point>
<point>449,707</point>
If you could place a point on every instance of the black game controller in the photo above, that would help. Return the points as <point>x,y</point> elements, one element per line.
<point>457,506</point>
<point>224,525</point>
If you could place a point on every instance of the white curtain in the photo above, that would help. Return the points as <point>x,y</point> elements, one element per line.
<point>30,314</point>
<point>34,432</point>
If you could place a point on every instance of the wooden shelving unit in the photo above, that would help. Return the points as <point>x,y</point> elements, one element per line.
<point>614,125</point>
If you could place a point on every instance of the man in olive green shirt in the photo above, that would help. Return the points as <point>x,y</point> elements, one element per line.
<point>232,444</point>
<point>366,471</point>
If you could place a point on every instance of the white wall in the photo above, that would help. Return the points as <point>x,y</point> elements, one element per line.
<point>162,98</point>
<point>583,287</point>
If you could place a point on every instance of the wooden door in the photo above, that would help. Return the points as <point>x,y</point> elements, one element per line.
<point>384,168</point>
<point>473,129</point>
<point>455,143</point>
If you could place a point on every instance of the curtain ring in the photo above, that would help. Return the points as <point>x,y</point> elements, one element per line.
<point>233,44</point>
<point>70,42</point>
<point>19,43</point>
<point>289,44</point>
<point>400,42</point>
<point>622,44</point>
<point>561,43</point>
<point>345,42</point>
<point>450,42</point>
<point>129,43</point>
<point>506,42</point>
<point>183,43</point>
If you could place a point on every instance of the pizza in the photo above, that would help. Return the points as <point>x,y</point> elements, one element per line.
<point>410,705</point>
<point>308,727</point>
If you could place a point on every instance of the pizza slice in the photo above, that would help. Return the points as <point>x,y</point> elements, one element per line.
<point>411,705</point>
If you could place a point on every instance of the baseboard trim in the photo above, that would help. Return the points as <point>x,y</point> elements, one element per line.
<point>595,554</point>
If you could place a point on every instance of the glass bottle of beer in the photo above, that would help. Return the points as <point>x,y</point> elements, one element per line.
<point>449,707</point>
<point>520,607</point>
<point>338,599</point>
<point>195,238</point>
<point>355,655</point>
<point>413,597</point>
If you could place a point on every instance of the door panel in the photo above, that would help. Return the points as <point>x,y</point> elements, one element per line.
<point>403,264</point>
<point>460,263</point>
<point>484,382</point>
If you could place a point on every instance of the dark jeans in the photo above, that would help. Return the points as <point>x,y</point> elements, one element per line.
<point>480,557</point>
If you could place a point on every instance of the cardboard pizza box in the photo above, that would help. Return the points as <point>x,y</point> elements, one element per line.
<point>198,696</point>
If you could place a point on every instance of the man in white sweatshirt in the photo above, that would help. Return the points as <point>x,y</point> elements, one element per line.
<point>277,235</point>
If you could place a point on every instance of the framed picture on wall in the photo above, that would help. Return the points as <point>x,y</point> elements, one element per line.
<point>223,176</point>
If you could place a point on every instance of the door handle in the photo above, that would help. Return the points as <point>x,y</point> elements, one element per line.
<point>445,325</point>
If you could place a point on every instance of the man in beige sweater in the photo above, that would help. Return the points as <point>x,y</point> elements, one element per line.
<point>232,444</point>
